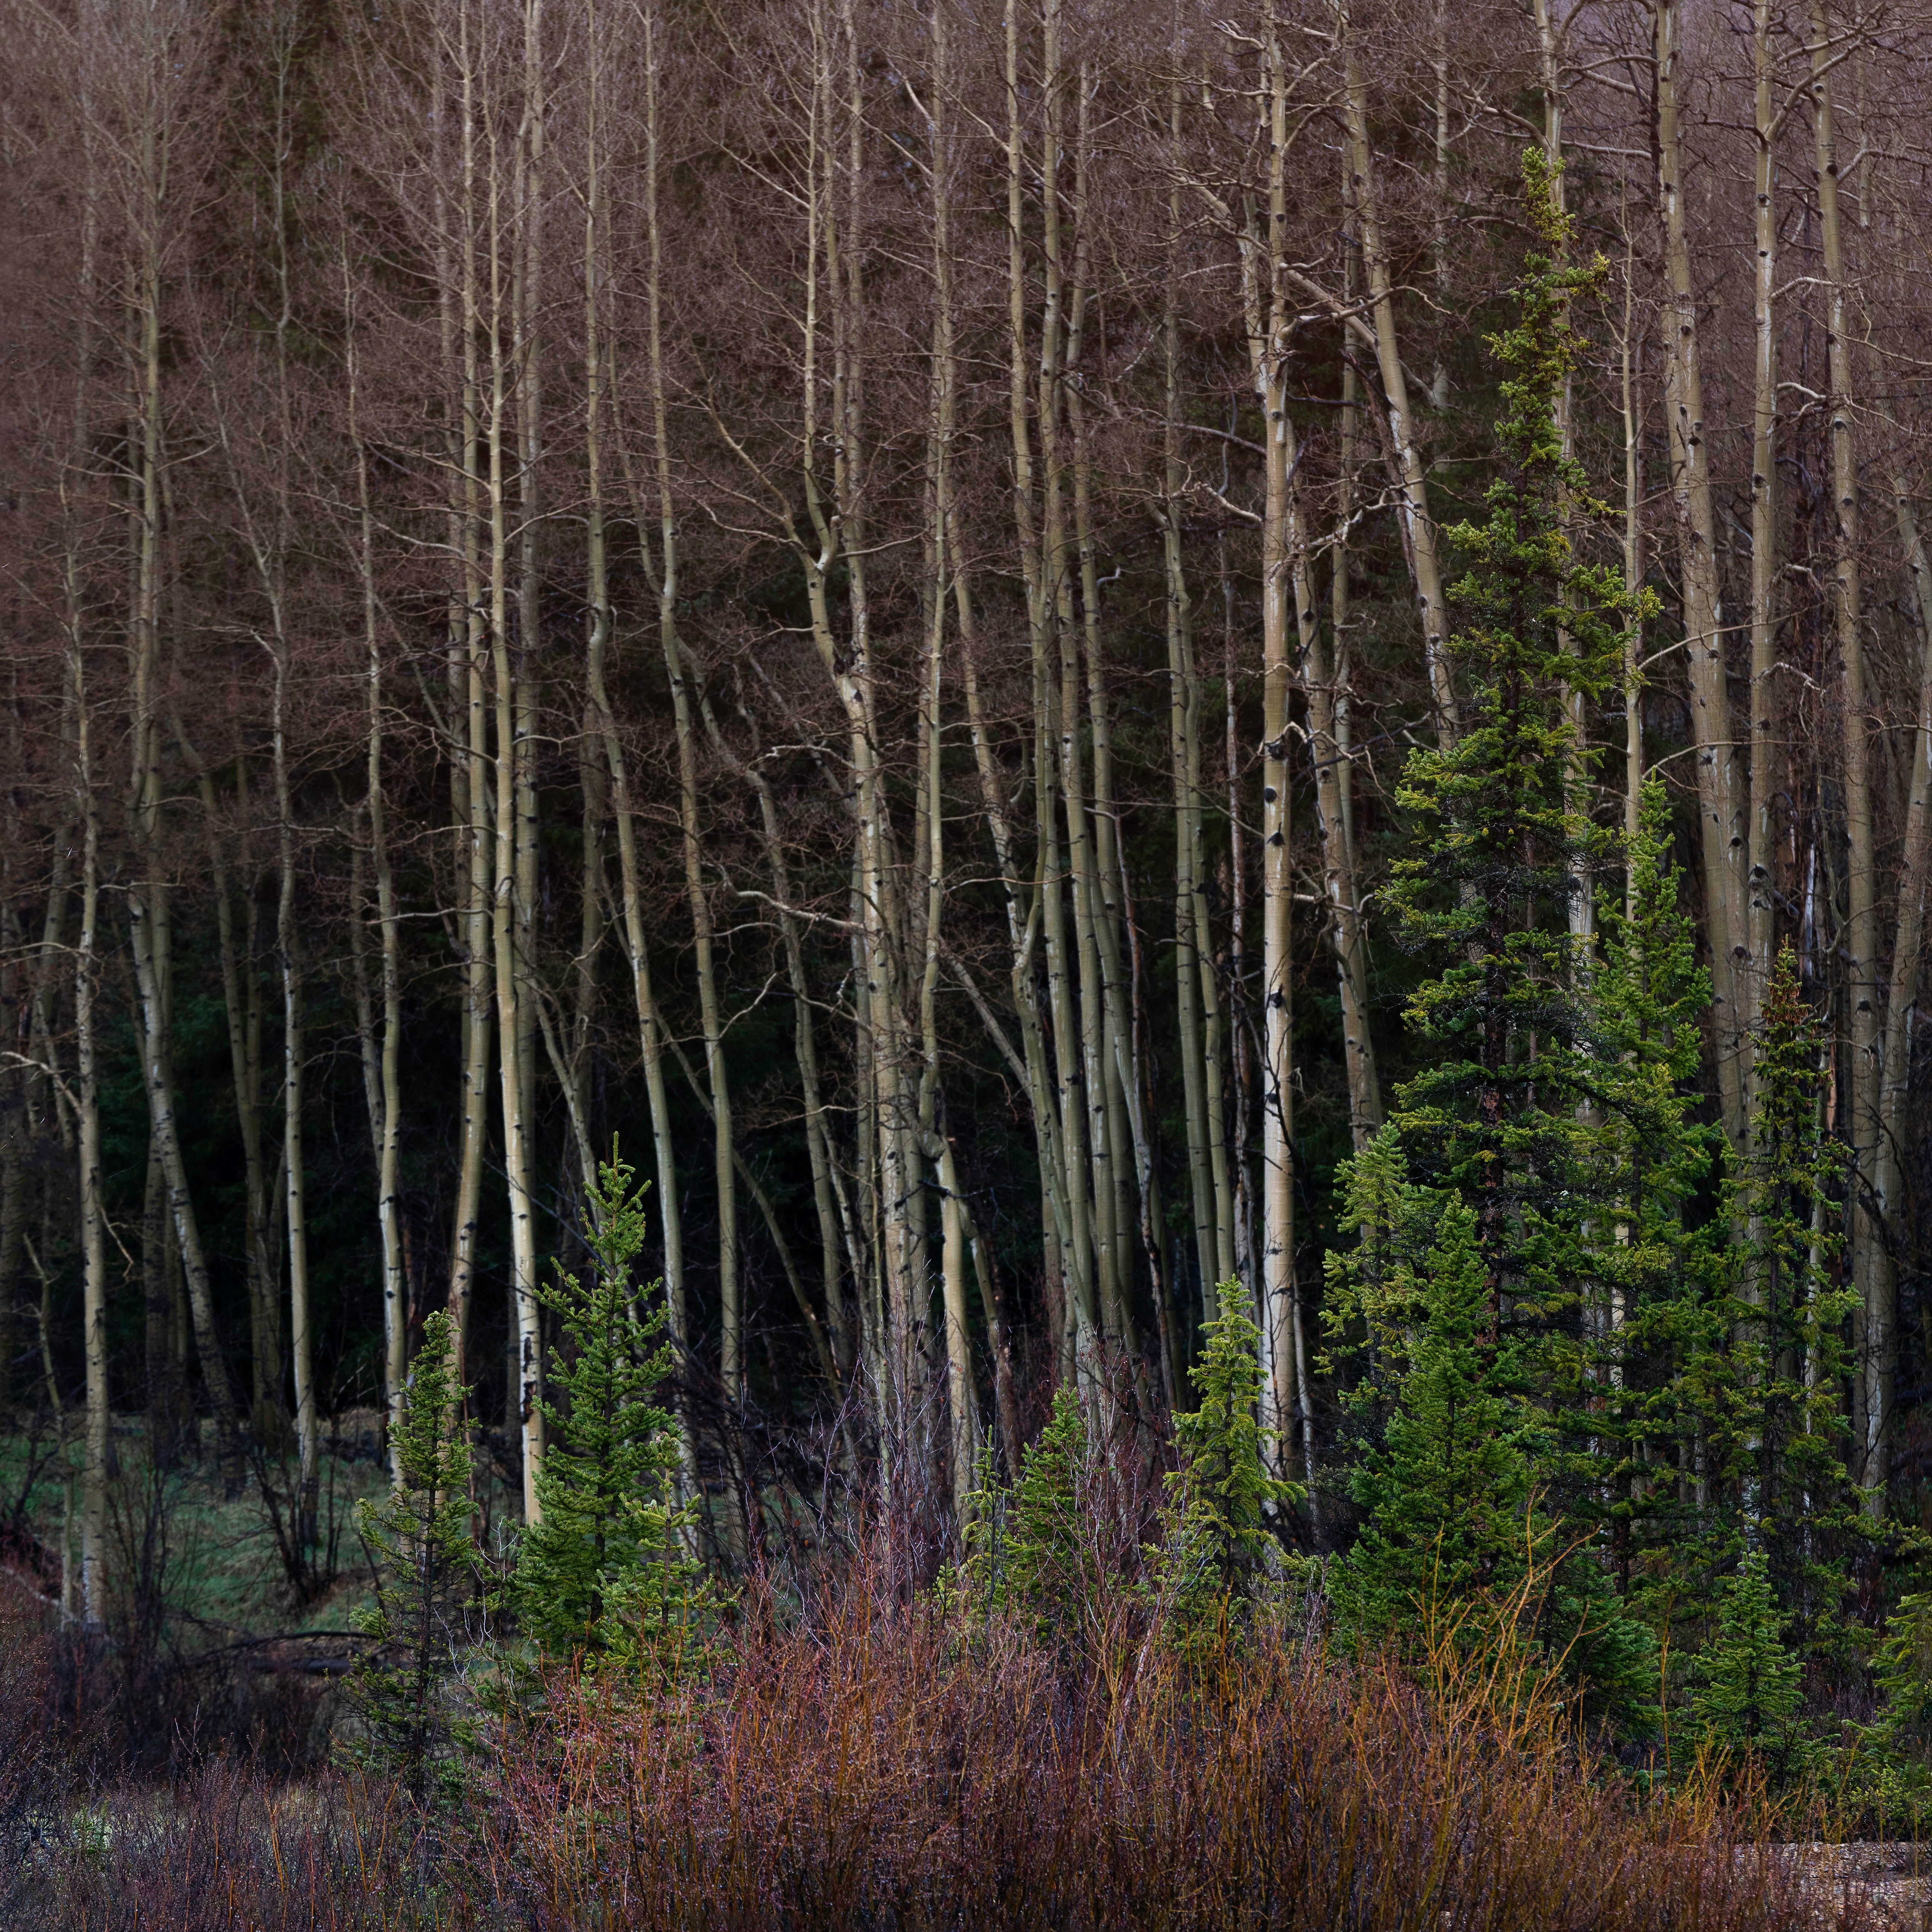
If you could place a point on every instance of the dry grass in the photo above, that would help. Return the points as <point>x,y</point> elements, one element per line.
<point>880,1773</point>
<point>876,1771</point>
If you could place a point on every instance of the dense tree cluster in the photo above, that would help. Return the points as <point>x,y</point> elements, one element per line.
<point>1095,673</point>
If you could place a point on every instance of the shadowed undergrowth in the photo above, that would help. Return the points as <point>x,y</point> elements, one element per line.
<point>877,1771</point>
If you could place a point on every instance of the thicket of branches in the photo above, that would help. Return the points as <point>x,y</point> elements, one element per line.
<point>845,593</point>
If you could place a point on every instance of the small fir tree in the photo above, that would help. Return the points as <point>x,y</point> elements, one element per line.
<point>431,1604</point>
<point>1445,1491</point>
<point>1218,1545</point>
<point>1031,1550</point>
<point>1748,1697</point>
<point>1902,1673</point>
<point>605,1570</point>
<point>1454,1530</point>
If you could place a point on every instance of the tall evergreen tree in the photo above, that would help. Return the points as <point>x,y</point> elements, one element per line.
<point>1748,1700</point>
<point>1785,1350</point>
<point>1457,1537</point>
<point>1504,1113</point>
<point>1217,1544</point>
<point>1658,1263</point>
<point>1481,1214</point>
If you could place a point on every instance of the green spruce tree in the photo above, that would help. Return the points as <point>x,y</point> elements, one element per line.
<point>1446,1490</point>
<point>1506,1113</point>
<point>431,1606</point>
<point>1748,1696</point>
<point>605,1570</point>
<point>1218,1546</point>
<point>1476,1290</point>
<point>1661,1272</point>
<point>1787,1318</point>
<point>1032,1550</point>
<point>1456,1538</point>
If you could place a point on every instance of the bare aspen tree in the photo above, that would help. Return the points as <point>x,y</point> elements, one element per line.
<point>494,317</point>
<point>1184,751</point>
<point>158,68</point>
<point>1870,1266</point>
<point>1760,883</point>
<point>1721,834</point>
<point>1328,681</point>
<point>1914,864</point>
<point>459,316</point>
<point>516,749</point>
<point>381,1062</point>
<point>1269,321</point>
<point>961,1398</point>
<point>650,1026</point>
<point>86,812</point>
<point>1076,1257</point>
<point>1411,478</point>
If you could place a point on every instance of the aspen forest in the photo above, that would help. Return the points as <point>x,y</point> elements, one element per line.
<point>959,962</point>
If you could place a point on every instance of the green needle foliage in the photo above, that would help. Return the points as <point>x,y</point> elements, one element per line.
<point>1659,1268</point>
<point>1902,1671</point>
<point>430,1605</point>
<point>1506,1114</point>
<point>1485,1209</point>
<point>1218,1546</point>
<point>1787,1349</point>
<point>1031,1551</point>
<point>1455,1538</point>
<point>605,1570</point>
<point>1748,1700</point>
<point>1447,1490</point>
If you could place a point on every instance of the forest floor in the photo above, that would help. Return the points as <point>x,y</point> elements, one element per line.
<point>199,1535</point>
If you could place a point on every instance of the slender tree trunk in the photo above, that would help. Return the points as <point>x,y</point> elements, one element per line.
<point>1411,479</point>
<point>523,1396</point>
<point>1720,820</point>
<point>1871,1268</point>
<point>650,1026</point>
<point>469,636</point>
<point>381,1062</point>
<point>1759,881</point>
<point>1914,869</point>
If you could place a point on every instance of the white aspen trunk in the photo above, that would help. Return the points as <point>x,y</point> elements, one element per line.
<point>1075,1242</point>
<point>527,305</point>
<point>1327,680</point>
<point>87,954</point>
<point>962,1406</point>
<point>470,626</point>
<point>524,1396</point>
<point>1915,865</point>
<point>1634,768</point>
<point>1268,325</point>
<point>1411,477</point>
<point>241,1005</point>
<point>302,1335</point>
<point>1184,751</point>
<point>1759,882</point>
<point>1721,834</point>
<point>650,1028</point>
<point>381,1067</point>
<point>93,1208</point>
<point>1871,1268</point>
<point>147,894</point>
